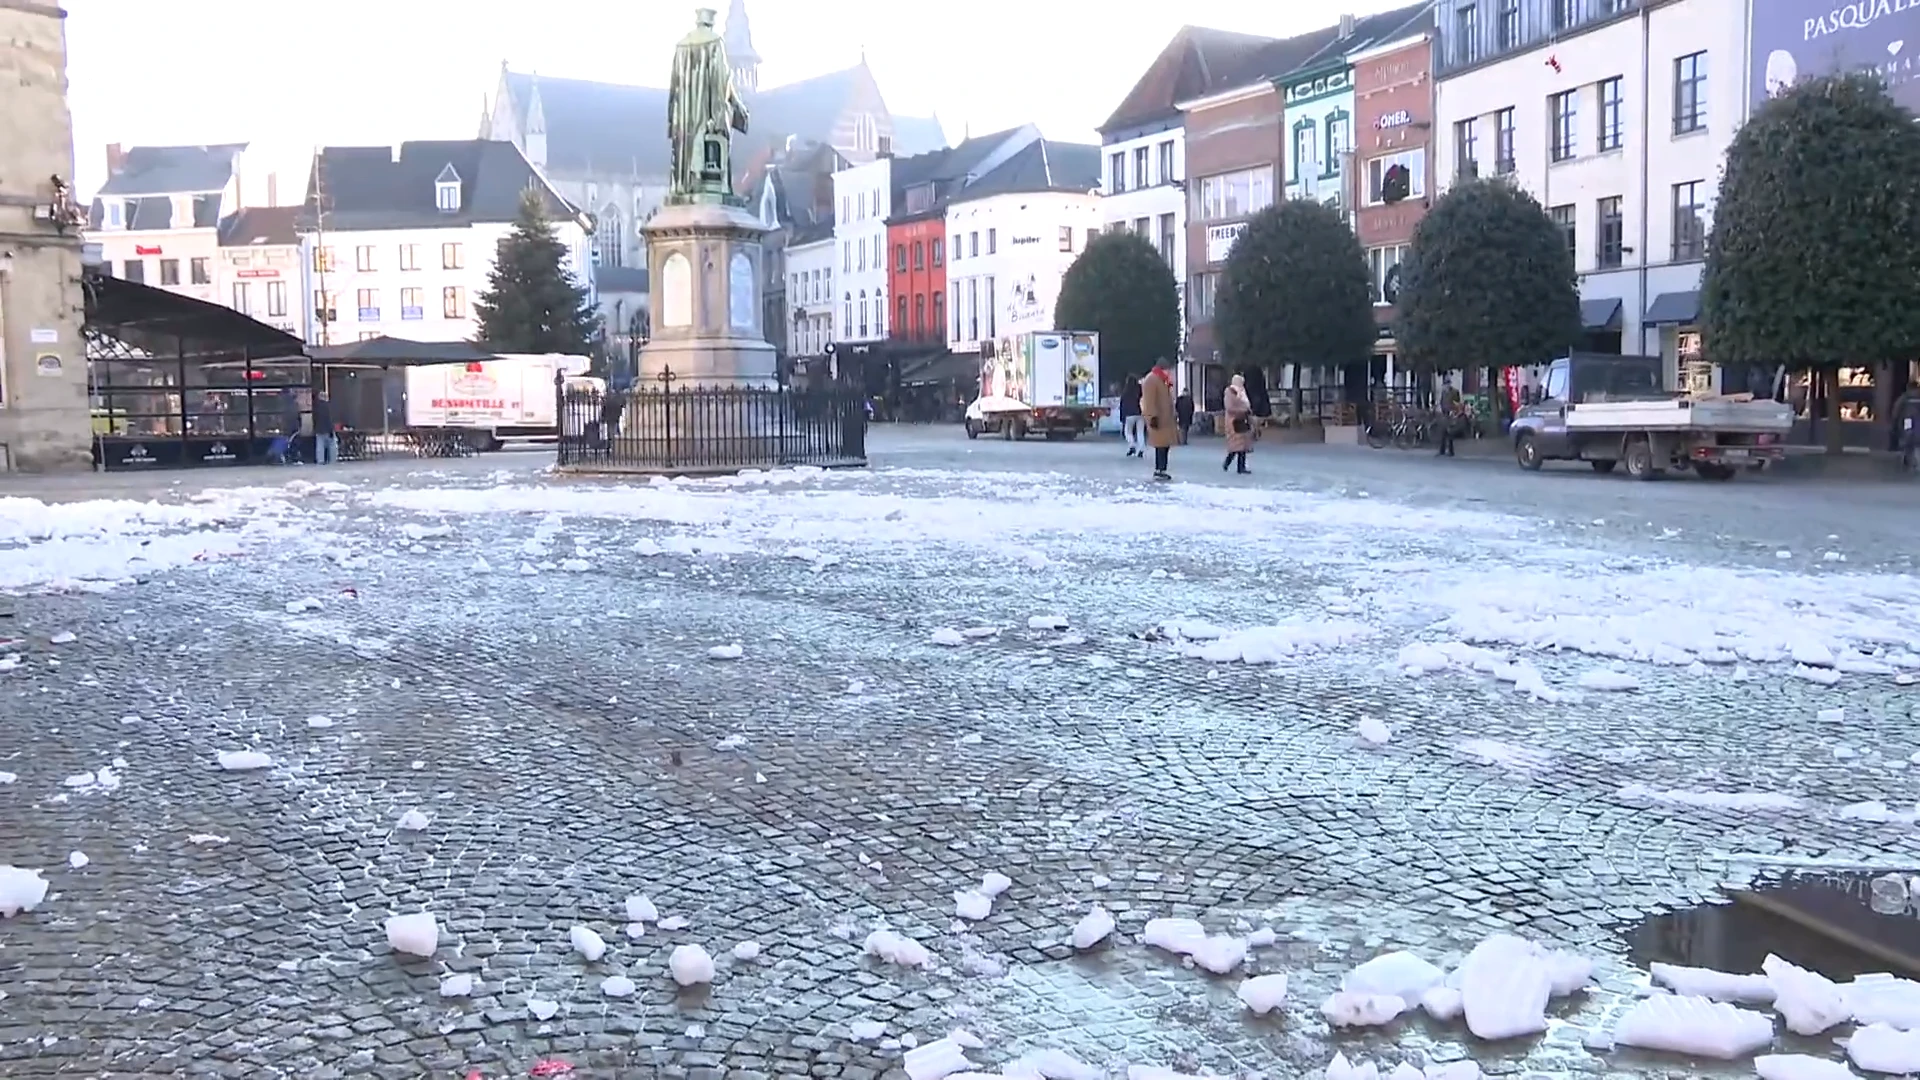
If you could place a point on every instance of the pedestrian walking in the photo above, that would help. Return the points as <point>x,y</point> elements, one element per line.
<point>1906,413</point>
<point>1156,405</point>
<point>1132,425</point>
<point>1449,417</point>
<point>1239,410</point>
<point>1183,412</point>
<point>326,444</point>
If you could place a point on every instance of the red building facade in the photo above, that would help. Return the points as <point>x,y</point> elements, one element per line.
<point>917,248</point>
<point>1393,126</point>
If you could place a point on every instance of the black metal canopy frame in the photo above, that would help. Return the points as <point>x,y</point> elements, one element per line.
<point>177,381</point>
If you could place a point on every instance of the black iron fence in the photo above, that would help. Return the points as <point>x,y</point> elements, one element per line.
<point>659,426</point>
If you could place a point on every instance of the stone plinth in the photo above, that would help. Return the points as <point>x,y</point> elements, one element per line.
<point>704,268</point>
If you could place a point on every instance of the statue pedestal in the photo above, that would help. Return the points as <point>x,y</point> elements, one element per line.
<point>704,284</point>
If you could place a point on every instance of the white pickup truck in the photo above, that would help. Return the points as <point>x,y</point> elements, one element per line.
<point>1611,410</point>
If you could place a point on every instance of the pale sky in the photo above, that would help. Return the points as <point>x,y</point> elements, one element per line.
<point>288,76</point>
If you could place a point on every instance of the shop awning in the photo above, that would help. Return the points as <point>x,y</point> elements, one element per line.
<point>1601,314</point>
<point>156,322</point>
<point>946,367</point>
<point>386,351</point>
<point>1674,309</point>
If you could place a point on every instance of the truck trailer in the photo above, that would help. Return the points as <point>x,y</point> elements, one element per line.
<point>1046,382</point>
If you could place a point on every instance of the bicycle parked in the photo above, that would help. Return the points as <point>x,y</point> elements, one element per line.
<point>1406,429</point>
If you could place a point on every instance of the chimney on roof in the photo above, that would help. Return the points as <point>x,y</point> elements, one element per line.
<point>1346,26</point>
<point>116,159</point>
<point>886,146</point>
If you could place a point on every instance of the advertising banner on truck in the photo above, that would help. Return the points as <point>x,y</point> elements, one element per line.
<point>1083,371</point>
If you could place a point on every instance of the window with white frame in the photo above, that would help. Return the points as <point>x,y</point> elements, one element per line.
<point>1306,150</point>
<point>1166,162</point>
<point>1415,161</point>
<point>1116,174</point>
<point>1383,264</point>
<point>1235,194</point>
<point>1339,141</point>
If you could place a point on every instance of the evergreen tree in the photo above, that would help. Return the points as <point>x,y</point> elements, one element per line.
<point>1122,288</point>
<point>1488,280</point>
<point>1295,292</point>
<point>1811,261</point>
<point>531,304</point>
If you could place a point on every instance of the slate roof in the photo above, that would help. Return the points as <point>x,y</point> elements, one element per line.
<point>797,176</point>
<point>1377,29</point>
<point>621,279</point>
<point>156,212</point>
<point>262,225</point>
<point>1197,62</point>
<point>947,169</point>
<point>1200,61</point>
<point>367,188</point>
<point>173,170</point>
<point>608,127</point>
<point>1041,165</point>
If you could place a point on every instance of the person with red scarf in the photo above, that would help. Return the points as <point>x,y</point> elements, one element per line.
<point>1156,405</point>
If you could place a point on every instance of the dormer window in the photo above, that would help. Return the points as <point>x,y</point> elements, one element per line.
<point>116,214</point>
<point>446,190</point>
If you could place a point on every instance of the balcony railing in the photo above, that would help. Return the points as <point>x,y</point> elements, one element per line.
<point>1472,32</point>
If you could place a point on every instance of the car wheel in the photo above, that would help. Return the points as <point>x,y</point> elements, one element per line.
<point>1526,450</point>
<point>1640,458</point>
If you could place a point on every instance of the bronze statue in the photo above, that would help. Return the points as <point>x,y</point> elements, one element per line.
<point>702,109</point>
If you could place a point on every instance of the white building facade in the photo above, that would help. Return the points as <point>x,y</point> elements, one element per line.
<point>811,285</point>
<point>1616,115</point>
<point>862,201</point>
<point>261,269</point>
<point>1006,256</point>
<point>157,218</point>
<point>408,241</point>
<point>1142,178</point>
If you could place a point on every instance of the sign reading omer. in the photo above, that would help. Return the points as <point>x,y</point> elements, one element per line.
<point>1793,39</point>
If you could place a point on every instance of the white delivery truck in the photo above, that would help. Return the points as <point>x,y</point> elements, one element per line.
<point>1613,410</point>
<point>1044,381</point>
<point>505,398</point>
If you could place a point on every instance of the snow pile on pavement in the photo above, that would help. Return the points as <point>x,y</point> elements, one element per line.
<point>20,890</point>
<point>1695,1026</point>
<point>1678,615</point>
<point>1263,644</point>
<point>97,544</point>
<point>864,510</point>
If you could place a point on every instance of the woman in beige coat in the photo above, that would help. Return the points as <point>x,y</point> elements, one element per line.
<point>1239,425</point>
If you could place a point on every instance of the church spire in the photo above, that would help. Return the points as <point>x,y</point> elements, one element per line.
<point>740,52</point>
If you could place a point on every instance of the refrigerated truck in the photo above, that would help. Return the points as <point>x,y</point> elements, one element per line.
<point>510,397</point>
<point>1042,381</point>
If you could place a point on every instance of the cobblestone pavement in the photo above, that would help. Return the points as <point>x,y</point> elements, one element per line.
<point>573,744</point>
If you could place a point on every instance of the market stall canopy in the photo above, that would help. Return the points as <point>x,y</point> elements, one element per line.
<point>386,351</point>
<point>155,322</point>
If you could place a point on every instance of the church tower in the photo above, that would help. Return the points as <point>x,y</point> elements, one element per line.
<point>740,54</point>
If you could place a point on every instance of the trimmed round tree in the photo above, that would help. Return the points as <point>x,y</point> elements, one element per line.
<point>1488,282</point>
<point>1811,261</point>
<point>1122,289</point>
<point>1296,292</point>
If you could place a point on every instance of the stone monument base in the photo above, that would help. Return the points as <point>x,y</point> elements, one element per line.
<point>705,273</point>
